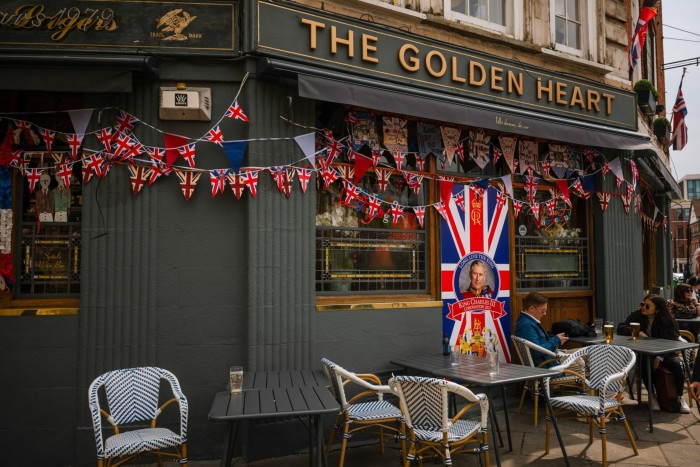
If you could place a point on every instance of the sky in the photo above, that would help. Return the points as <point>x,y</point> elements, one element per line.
<point>681,33</point>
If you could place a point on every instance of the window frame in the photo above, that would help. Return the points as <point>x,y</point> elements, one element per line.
<point>588,16</point>
<point>512,12</point>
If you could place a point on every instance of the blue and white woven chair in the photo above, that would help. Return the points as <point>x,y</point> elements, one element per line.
<point>364,411</point>
<point>608,366</point>
<point>524,348</point>
<point>424,403</point>
<point>132,397</point>
<point>688,362</point>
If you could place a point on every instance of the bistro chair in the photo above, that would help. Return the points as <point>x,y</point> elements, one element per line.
<point>424,403</point>
<point>132,396</point>
<point>366,410</point>
<point>688,361</point>
<point>608,366</point>
<point>523,348</point>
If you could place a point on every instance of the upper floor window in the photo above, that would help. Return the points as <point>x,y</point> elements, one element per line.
<point>693,189</point>
<point>504,16</point>
<point>567,23</point>
<point>492,11</point>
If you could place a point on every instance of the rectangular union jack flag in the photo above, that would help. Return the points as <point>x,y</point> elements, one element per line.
<point>649,11</point>
<point>680,130</point>
<point>476,272</point>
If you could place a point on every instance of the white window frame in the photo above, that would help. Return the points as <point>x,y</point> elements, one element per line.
<point>588,14</point>
<point>513,11</point>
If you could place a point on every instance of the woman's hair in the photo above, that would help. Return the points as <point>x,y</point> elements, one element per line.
<point>693,281</point>
<point>679,293</point>
<point>662,314</point>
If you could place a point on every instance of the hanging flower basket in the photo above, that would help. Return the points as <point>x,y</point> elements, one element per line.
<point>646,96</point>
<point>662,130</point>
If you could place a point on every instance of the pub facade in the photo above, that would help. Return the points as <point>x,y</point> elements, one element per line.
<point>264,184</point>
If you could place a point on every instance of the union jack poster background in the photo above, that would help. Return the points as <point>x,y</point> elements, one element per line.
<point>477,230</point>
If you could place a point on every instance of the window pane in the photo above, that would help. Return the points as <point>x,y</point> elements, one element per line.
<point>560,8</point>
<point>560,31</point>
<point>478,9</point>
<point>572,11</point>
<point>573,35</point>
<point>496,12</point>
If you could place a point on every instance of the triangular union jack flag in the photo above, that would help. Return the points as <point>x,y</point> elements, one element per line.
<point>420,214</point>
<point>304,176</point>
<point>156,154</point>
<point>459,200</point>
<point>347,172</point>
<point>139,177</point>
<point>382,178</point>
<point>188,182</point>
<point>215,136</point>
<point>74,141</point>
<point>441,207</point>
<point>33,176</point>
<point>374,208</point>
<point>158,169</point>
<point>16,160</point>
<point>287,177</point>
<point>236,184</point>
<point>501,198</point>
<point>604,198</point>
<point>396,211</point>
<point>329,175</point>
<point>250,178</point>
<point>64,171</point>
<point>236,112</point>
<point>278,173</point>
<point>351,194</point>
<point>92,165</point>
<point>105,136</point>
<point>188,153</point>
<point>218,178</point>
<point>535,209</point>
<point>48,137</point>
<point>126,122</point>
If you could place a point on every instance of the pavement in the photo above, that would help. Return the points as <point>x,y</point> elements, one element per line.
<point>674,442</point>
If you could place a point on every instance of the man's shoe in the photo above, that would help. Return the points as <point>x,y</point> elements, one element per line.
<point>684,405</point>
<point>654,403</point>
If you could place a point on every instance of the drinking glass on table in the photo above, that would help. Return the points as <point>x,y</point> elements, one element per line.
<point>609,330</point>
<point>493,362</point>
<point>235,376</point>
<point>598,326</point>
<point>634,327</point>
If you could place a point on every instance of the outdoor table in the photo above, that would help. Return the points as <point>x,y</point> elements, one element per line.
<point>276,394</point>
<point>690,321</point>
<point>474,370</point>
<point>646,347</point>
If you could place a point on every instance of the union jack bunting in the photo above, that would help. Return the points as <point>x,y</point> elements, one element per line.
<point>351,194</point>
<point>396,211</point>
<point>64,171</point>
<point>156,155</point>
<point>347,172</point>
<point>304,176</point>
<point>398,158</point>
<point>288,179</point>
<point>158,169</point>
<point>649,11</point>
<point>218,178</point>
<point>74,141</point>
<point>188,182</point>
<point>126,122</point>
<point>236,184</point>
<point>544,169</point>
<point>626,203</point>
<point>122,146</point>
<point>250,178</point>
<point>139,177</point>
<point>517,207</point>
<point>590,155</point>
<point>376,155</point>
<point>48,136</point>
<point>215,136</point>
<point>606,169</point>
<point>420,163</point>
<point>680,130</point>
<point>329,175</point>
<point>33,176</point>
<point>635,173</point>
<point>105,136</point>
<point>419,211</point>
<point>535,210</point>
<point>92,164</point>
<point>501,198</point>
<point>374,208</point>
<point>278,174</point>
<point>459,200</point>
<point>16,160</point>
<point>188,153</point>
<point>382,178</point>
<point>441,207</point>
<point>478,235</point>
<point>497,154</point>
<point>236,112</point>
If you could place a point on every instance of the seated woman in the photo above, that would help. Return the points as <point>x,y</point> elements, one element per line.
<point>684,306</point>
<point>656,321</point>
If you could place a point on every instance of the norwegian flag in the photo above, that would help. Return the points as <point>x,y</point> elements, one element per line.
<point>215,136</point>
<point>517,207</point>
<point>188,182</point>
<point>383,176</point>
<point>49,137</point>
<point>304,176</point>
<point>329,175</point>
<point>250,178</point>
<point>649,11</point>
<point>419,211</point>
<point>478,233</point>
<point>126,122</point>
<point>396,211</point>
<point>188,153</point>
<point>236,112</point>
<point>139,177</point>
<point>74,141</point>
<point>64,171</point>
<point>33,176</point>
<point>218,178</point>
<point>236,184</point>
<point>106,137</point>
<point>604,199</point>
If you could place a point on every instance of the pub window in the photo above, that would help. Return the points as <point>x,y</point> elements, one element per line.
<point>490,11</point>
<point>552,250</point>
<point>567,23</point>
<point>359,252</point>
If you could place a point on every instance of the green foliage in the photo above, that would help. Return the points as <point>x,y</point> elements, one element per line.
<point>664,120</point>
<point>646,85</point>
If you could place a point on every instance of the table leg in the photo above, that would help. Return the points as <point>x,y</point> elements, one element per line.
<point>639,379</point>
<point>650,393</point>
<point>553,419</point>
<point>495,419</point>
<point>229,443</point>
<point>494,430</point>
<point>505,410</point>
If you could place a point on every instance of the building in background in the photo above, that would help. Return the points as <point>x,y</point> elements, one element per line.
<point>206,228</point>
<point>684,213</point>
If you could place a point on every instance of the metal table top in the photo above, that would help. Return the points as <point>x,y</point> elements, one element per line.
<point>643,345</point>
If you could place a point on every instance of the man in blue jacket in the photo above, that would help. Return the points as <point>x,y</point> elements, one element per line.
<point>529,327</point>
